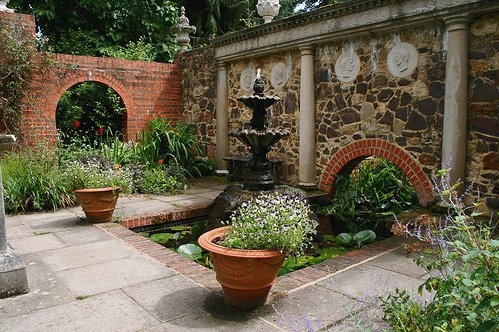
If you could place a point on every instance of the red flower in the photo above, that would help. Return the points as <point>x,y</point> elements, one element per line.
<point>76,123</point>
<point>160,161</point>
<point>100,131</point>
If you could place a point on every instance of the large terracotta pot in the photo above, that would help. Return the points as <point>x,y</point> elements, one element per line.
<point>246,276</point>
<point>98,203</point>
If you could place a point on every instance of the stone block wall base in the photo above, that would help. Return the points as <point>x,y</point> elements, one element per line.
<point>13,277</point>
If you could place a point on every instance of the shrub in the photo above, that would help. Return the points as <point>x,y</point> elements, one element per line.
<point>462,257</point>
<point>169,143</point>
<point>33,181</point>
<point>90,109</point>
<point>163,180</point>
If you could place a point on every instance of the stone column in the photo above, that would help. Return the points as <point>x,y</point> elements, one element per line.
<point>456,98</point>
<point>13,278</point>
<point>222,117</point>
<point>306,171</point>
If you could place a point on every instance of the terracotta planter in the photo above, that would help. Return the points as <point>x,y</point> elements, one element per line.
<point>246,276</point>
<point>98,203</point>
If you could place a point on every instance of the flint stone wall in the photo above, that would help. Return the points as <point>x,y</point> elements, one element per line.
<point>406,111</point>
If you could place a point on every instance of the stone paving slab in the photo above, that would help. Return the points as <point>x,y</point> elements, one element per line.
<point>112,275</point>
<point>112,311</point>
<point>206,322</point>
<point>169,298</point>
<point>82,235</point>
<point>311,308</point>
<point>19,231</point>
<point>148,207</point>
<point>366,282</point>
<point>66,222</point>
<point>86,254</point>
<point>397,261</point>
<point>35,243</point>
<point>46,290</point>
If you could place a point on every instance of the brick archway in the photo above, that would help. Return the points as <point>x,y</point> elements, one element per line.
<point>387,150</point>
<point>99,77</point>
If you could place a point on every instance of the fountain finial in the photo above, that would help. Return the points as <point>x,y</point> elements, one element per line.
<point>258,86</point>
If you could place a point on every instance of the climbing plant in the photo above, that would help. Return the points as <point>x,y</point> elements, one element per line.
<point>17,65</point>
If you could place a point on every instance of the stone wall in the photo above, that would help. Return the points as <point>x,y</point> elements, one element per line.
<point>199,84</point>
<point>376,105</point>
<point>483,112</point>
<point>406,110</point>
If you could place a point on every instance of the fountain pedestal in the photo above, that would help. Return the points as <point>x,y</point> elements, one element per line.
<point>257,176</point>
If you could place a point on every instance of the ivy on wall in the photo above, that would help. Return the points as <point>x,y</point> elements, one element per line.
<point>17,66</point>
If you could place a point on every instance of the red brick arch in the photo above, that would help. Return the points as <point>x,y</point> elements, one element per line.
<point>89,76</point>
<point>387,150</point>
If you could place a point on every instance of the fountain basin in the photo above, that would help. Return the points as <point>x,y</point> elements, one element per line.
<point>259,139</point>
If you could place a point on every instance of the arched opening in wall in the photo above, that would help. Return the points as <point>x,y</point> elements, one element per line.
<point>90,111</point>
<point>367,192</point>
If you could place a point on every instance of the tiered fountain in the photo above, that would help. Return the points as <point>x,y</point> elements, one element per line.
<point>257,175</point>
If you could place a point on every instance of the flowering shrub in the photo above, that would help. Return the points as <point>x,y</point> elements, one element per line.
<point>462,257</point>
<point>95,173</point>
<point>272,221</point>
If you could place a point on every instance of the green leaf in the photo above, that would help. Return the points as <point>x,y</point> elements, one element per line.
<point>493,243</point>
<point>344,238</point>
<point>364,236</point>
<point>162,238</point>
<point>488,326</point>
<point>190,251</point>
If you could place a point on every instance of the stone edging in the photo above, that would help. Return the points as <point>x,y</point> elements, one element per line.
<point>284,285</point>
<point>191,211</point>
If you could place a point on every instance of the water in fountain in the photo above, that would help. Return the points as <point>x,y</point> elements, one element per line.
<point>257,178</point>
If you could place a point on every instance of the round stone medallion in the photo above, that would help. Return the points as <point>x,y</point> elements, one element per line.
<point>347,67</point>
<point>278,75</point>
<point>247,79</point>
<point>402,60</point>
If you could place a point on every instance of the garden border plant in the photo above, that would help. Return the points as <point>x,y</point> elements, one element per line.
<point>375,189</point>
<point>461,254</point>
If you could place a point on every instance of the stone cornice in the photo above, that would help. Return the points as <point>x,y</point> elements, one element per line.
<point>338,22</point>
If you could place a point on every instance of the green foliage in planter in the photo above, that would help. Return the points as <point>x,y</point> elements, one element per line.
<point>33,181</point>
<point>376,188</point>
<point>272,221</point>
<point>97,173</point>
<point>461,254</point>
<point>17,67</point>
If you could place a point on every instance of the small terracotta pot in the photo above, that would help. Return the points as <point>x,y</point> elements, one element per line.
<point>246,276</point>
<point>98,203</point>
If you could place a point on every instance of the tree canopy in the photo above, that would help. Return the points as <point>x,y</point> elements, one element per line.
<point>92,27</point>
<point>141,29</point>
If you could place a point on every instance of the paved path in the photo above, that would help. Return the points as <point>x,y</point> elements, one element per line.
<point>86,277</point>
